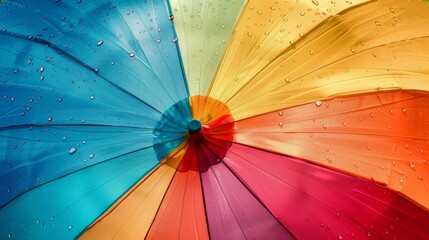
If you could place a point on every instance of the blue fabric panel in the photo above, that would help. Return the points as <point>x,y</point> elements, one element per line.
<point>83,85</point>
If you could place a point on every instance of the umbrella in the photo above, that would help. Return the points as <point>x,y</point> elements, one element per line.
<point>214,119</point>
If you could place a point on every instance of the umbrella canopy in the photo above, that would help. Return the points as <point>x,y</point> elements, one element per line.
<point>214,119</point>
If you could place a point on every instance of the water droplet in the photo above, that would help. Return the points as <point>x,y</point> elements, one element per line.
<point>171,17</point>
<point>91,155</point>
<point>158,40</point>
<point>174,40</point>
<point>70,227</point>
<point>10,235</point>
<point>374,54</point>
<point>132,54</point>
<point>420,177</point>
<point>401,181</point>
<point>50,118</point>
<point>72,150</point>
<point>340,237</point>
<point>298,26</point>
<point>329,160</point>
<point>92,97</point>
<point>315,2</point>
<point>100,43</point>
<point>60,99</point>
<point>280,113</point>
<point>318,103</point>
<point>249,34</point>
<point>404,110</point>
<point>302,13</point>
<point>377,23</point>
<point>412,165</point>
<point>281,124</point>
<point>23,113</point>
<point>259,12</point>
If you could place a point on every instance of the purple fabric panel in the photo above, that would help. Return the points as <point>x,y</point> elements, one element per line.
<point>233,212</point>
<point>313,202</point>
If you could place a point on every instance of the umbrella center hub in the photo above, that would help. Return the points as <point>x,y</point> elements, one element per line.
<point>194,133</point>
<point>194,126</point>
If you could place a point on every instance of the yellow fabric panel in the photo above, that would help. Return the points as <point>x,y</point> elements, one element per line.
<point>288,54</point>
<point>132,216</point>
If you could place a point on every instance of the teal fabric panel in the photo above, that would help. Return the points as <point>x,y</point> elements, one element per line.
<point>62,209</point>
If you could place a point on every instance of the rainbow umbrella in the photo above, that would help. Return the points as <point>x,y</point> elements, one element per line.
<point>192,119</point>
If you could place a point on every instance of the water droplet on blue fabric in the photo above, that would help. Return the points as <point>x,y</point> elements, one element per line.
<point>72,150</point>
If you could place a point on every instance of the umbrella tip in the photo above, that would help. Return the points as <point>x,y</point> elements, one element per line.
<point>194,126</point>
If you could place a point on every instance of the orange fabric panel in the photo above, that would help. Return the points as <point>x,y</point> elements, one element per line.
<point>380,136</point>
<point>182,214</point>
<point>132,216</point>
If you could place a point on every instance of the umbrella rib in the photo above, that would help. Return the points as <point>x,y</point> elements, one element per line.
<point>61,51</point>
<point>167,189</point>
<point>343,133</point>
<point>343,58</point>
<point>247,61</point>
<point>319,88</point>
<point>379,214</point>
<point>224,195</point>
<point>297,189</point>
<point>345,112</point>
<point>168,67</point>
<point>117,203</point>
<point>238,178</point>
<point>202,50</point>
<point>70,173</point>
<point>4,128</point>
<point>367,49</point>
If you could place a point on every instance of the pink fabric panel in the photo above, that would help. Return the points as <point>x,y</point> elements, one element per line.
<point>233,212</point>
<point>313,202</point>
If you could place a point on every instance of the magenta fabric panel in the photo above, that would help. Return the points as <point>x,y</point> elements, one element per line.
<point>313,202</point>
<point>233,212</point>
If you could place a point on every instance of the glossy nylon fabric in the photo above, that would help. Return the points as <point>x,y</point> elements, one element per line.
<point>378,136</point>
<point>142,98</point>
<point>288,53</point>
<point>203,29</point>
<point>83,86</point>
<point>65,207</point>
<point>138,207</point>
<point>313,202</point>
